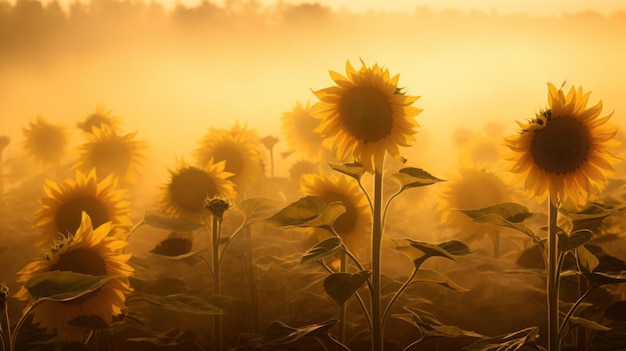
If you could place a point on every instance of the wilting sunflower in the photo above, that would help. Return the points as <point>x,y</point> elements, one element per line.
<point>353,226</point>
<point>298,125</point>
<point>90,251</point>
<point>473,189</point>
<point>45,143</point>
<point>189,186</point>
<point>110,153</point>
<point>239,148</point>
<point>61,208</point>
<point>100,117</point>
<point>365,115</point>
<point>565,150</point>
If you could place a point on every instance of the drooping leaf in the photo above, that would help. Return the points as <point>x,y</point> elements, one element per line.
<point>64,285</point>
<point>161,286</point>
<point>176,244</point>
<point>354,170</point>
<point>184,302</point>
<point>507,342</point>
<point>430,326</point>
<point>340,286</point>
<point>321,250</point>
<point>430,276</point>
<point>279,333</point>
<point>92,322</point>
<point>587,261</point>
<point>308,211</point>
<point>411,177</point>
<point>160,220</point>
<point>506,214</point>
<point>257,208</point>
<point>600,278</point>
<point>591,217</point>
<point>589,324</point>
<point>575,239</point>
<point>419,251</point>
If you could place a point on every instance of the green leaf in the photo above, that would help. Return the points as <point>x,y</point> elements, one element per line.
<point>176,244</point>
<point>279,333</point>
<point>411,177</point>
<point>587,261</point>
<point>323,249</point>
<point>354,170</point>
<point>430,326</point>
<point>160,220</point>
<point>586,323</point>
<point>506,214</point>
<point>430,276</point>
<point>507,342</point>
<point>591,217</point>
<point>419,251</point>
<point>573,240</point>
<point>184,303</point>
<point>309,211</point>
<point>340,286</point>
<point>600,278</point>
<point>64,285</point>
<point>257,208</point>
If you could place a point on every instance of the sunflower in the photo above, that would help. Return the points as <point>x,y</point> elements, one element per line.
<point>298,125</point>
<point>353,226</point>
<point>238,148</point>
<point>61,208</point>
<point>90,251</point>
<point>45,143</point>
<point>473,189</point>
<point>110,153</point>
<point>366,115</point>
<point>565,151</point>
<point>480,149</point>
<point>189,186</point>
<point>100,117</point>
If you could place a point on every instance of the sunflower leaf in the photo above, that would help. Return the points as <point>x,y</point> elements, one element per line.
<point>309,211</point>
<point>92,322</point>
<point>64,285</point>
<point>601,278</point>
<point>506,214</point>
<point>279,333</point>
<point>321,250</point>
<point>340,286</point>
<point>573,240</point>
<point>507,342</point>
<point>160,220</point>
<point>430,276</point>
<point>430,326</point>
<point>411,177</point>
<point>419,251</point>
<point>589,324</point>
<point>187,303</point>
<point>176,244</point>
<point>354,170</point>
<point>587,261</point>
<point>257,208</point>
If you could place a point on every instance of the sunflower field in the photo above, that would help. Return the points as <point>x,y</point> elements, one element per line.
<point>229,177</point>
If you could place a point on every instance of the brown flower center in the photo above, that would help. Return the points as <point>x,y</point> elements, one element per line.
<point>232,156</point>
<point>48,143</point>
<point>81,260</point>
<point>476,190</point>
<point>69,213</point>
<point>562,146</point>
<point>190,187</point>
<point>111,156</point>
<point>366,114</point>
<point>346,222</point>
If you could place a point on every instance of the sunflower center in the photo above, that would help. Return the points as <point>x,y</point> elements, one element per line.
<point>189,188</point>
<point>561,147</point>
<point>477,190</point>
<point>233,158</point>
<point>366,113</point>
<point>111,156</point>
<point>81,260</point>
<point>346,222</point>
<point>48,143</point>
<point>68,215</point>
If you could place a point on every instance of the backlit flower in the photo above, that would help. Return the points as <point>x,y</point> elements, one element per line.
<point>98,118</point>
<point>45,143</point>
<point>298,126</point>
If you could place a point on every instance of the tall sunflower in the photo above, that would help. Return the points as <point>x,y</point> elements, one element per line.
<point>365,115</point>
<point>189,186</point>
<point>61,208</point>
<point>565,151</point>
<point>298,125</point>
<point>45,142</point>
<point>239,148</point>
<point>354,225</point>
<point>110,153</point>
<point>98,118</point>
<point>91,251</point>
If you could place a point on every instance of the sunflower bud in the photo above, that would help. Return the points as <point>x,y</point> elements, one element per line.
<point>217,206</point>
<point>4,293</point>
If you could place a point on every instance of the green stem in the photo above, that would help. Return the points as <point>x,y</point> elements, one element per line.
<point>574,307</point>
<point>397,295</point>
<point>217,319</point>
<point>377,334</point>
<point>343,308</point>
<point>553,279</point>
<point>19,324</point>
<point>393,196</point>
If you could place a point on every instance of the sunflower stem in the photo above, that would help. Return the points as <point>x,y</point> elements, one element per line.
<point>553,279</point>
<point>397,295</point>
<point>5,327</point>
<point>343,308</point>
<point>377,334</point>
<point>217,319</point>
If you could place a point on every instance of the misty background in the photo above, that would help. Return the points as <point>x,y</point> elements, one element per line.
<point>171,73</point>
